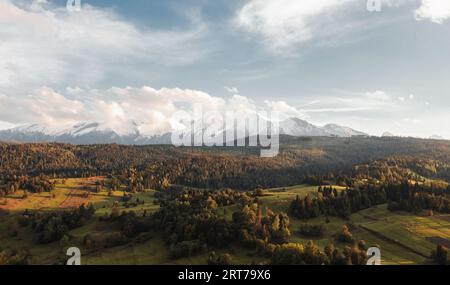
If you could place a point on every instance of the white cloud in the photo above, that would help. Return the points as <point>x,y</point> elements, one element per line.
<point>378,96</point>
<point>43,44</point>
<point>232,90</point>
<point>283,24</point>
<point>45,106</point>
<point>285,110</point>
<point>376,101</point>
<point>120,108</point>
<point>435,10</point>
<point>411,121</point>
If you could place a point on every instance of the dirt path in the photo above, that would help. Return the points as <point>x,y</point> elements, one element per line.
<point>75,198</point>
<point>82,195</point>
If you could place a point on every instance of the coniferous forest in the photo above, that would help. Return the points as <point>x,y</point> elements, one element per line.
<point>321,201</point>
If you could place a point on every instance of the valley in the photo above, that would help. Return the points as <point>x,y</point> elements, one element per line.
<point>322,201</point>
<point>403,238</point>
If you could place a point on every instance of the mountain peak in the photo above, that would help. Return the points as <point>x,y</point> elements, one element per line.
<point>342,131</point>
<point>387,134</point>
<point>436,137</point>
<point>299,127</point>
<point>129,132</point>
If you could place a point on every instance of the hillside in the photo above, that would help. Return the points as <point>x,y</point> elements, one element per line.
<point>321,201</point>
<point>232,166</point>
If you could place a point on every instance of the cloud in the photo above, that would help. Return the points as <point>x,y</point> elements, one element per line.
<point>45,106</point>
<point>121,108</point>
<point>42,44</point>
<point>411,121</point>
<point>232,90</point>
<point>378,96</point>
<point>375,101</point>
<point>436,11</point>
<point>285,110</point>
<point>283,24</point>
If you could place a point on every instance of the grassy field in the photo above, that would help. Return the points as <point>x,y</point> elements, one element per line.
<point>65,195</point>
<point>404,238</point>
<point>72,193</point>
<point>155,251</point>
<point>279,199</point>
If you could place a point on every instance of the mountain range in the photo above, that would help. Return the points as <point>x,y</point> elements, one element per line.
<point>98,133</point>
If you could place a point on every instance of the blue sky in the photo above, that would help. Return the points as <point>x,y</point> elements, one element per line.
<point>325,61</point>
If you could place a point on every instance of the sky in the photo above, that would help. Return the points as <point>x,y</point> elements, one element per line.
<point>325,61</point>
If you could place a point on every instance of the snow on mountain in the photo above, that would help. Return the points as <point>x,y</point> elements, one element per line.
<point>129,133</point>
<point>83,133</point>
<point>340,131</point>
<point>35,128</point>
<point>300,128</point>
<point>436,137</point>
<point>84,128</point>
<point>387,134</point>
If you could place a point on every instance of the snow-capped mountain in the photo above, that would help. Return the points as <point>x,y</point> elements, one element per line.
<point>83,133</point>
<point>387,135</point>
<point>340,131</point>
<point>299,128</point>
<point>437,137</point>
<point>131,134</point>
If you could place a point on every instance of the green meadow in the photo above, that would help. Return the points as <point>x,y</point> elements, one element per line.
<point>403,238</point>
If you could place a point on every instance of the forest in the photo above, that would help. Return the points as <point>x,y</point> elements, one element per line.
<point>219,202</point>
